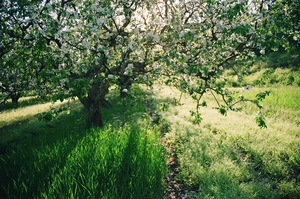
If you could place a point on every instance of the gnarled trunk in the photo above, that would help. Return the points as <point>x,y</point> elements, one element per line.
<point>93,102</point>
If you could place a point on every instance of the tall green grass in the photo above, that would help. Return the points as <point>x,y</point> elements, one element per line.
<point>282,103</point>
<point>284,97</point>
<point>122,160</point>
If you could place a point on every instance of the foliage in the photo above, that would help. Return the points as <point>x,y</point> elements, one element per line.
<point>283,23</point>
<point>81,48</point>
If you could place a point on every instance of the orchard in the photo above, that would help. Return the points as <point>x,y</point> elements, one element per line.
<point>81,48</point>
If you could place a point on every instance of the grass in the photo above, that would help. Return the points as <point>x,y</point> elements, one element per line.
<point>223,157</point>
<point>273,70</point>
<point>10,116</point>
<point>28,99</point>
<point>284,97</point>
<point>231,157</point>
<point>282,104</point>
<point>63,159</point>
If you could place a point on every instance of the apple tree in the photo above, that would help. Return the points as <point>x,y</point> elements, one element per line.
<point>23,58</point>
<point>81,47</point>
<point>207,37</point>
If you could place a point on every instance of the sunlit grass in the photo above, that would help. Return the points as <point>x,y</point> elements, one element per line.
<point>12,115</point>
<point>231,157</point>
<point>285,97</point>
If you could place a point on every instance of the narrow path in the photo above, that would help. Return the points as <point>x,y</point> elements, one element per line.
<point>175,189</point>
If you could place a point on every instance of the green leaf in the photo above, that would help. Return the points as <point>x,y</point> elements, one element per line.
<point>168,63</point>
<point>261,122</point>
<point>68,111</point>
<point>197,117</point>
<point>263,95</point>
<point>223,110</point>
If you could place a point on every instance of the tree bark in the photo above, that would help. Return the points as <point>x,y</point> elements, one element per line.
<point>93,103</point>
<point>94,115</point>
<point>125,84</point>
<point>15,97</point>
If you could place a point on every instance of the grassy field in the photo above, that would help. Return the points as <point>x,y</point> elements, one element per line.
<point>223,157</point>
<point>231,157</point>
<point>63,159</point>
<point>45,152</point>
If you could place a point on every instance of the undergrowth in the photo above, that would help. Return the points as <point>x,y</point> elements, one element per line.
<point>220,165</point>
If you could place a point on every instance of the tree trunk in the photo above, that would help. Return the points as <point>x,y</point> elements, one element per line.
<point>15,97</point>
<point>94,114</point>
<point>93,103</point>
<point>125,83</point>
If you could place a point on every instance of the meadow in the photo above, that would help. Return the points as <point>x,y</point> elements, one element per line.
<point>62,158</point>
<point>230,156</point>
<point>47,150</point>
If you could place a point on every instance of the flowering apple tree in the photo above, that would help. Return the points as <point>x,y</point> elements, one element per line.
<point>206,37</point>
<point>79,48</point>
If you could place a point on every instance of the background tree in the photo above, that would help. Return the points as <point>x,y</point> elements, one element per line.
<point>282,25</point>
<point>22,56</point>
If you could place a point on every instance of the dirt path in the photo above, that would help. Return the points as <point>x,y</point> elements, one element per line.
<point>175,188</point>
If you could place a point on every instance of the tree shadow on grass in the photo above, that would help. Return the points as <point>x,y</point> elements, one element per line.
<point>21,155</point>
<point>37,164</point>
<point>24,103</point>
<point>18,132</point>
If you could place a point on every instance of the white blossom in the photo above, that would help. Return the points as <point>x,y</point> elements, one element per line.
<point>101,21</point>
<point>156,38</point>
<point>27,36</point>
<point>132,45</point>
<point>63,82</point>
<point>128,69</point>
<point>110,76</point>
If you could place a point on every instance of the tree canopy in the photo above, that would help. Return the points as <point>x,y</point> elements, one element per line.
<point>76,48</point>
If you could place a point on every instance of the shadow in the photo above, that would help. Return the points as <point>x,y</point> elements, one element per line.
<point>24,103</point>
<point>22,153</point>
<point>138,175</point>
<point>18,132</point>
<point>32,162</point>
<point>7,139</point>
<point>284,60</point>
